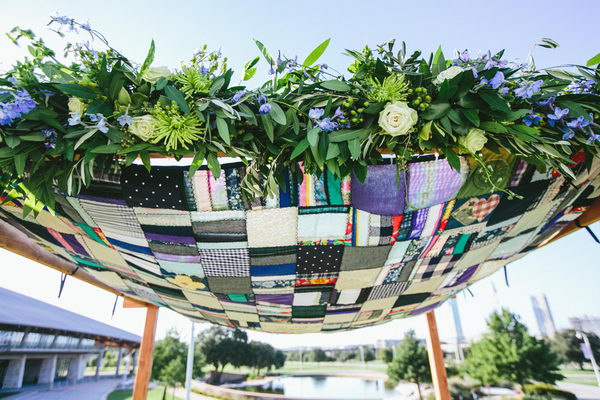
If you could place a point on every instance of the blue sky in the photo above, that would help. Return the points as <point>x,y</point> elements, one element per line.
<point>567,271</point>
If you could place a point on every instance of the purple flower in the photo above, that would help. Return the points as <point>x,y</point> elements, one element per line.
<point>504,90</point>
<point>204,70</point>
<point>497,80</point>
<point>125,119</point>
<point>49,138</point>
<point>12,80</point>
<point>464,56</point>
<point>327,124</point>
<point>5,119</point>
<point>528,89</point>
<point>24,101</point>
<point>568,133</point>
<point>75,119</point>
<point>593,138</point>
<point>264,109</point>
<point>581,86</point>
<point>272,70</point>
<point>338,114</point>
<point>548,102</point>
<point>238,95</point>
<point>198,52</point>
<point>559,113</point>
<point>11,110</point>
<point>86,26</point>
<point>261,98</point>
<point>532,119</point>
<point>315,113</point>
<point>580,122</point>
<point>101,125</point>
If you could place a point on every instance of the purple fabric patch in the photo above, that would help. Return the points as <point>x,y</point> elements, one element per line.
<point>425,309</point>
<point>285,298</point>
<point>433,182</point>
<point>419,219</point>
<point>170,239</point>
<point>464,277</point>
<point>72,240</point>
<point>383,191</point>
<point>102,199</point>
<point>177,258</point>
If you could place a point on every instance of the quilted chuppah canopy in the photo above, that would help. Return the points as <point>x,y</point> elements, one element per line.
<point>325,255</point>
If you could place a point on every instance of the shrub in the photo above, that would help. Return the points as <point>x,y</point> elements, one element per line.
<point>544,391</point>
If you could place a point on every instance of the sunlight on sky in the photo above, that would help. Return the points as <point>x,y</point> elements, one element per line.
<point>567,271</point>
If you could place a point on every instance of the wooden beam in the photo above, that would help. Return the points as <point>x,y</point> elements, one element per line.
<point>128,302</point>
<point>436,359</point>
<point>144,366</point>
<point>591,215</point>
<point>13,240</point>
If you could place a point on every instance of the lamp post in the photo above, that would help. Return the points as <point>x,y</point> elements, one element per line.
<point>190,365</point>
<point>587,350</point>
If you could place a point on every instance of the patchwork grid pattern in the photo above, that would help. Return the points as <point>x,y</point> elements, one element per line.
<point>324,255</point>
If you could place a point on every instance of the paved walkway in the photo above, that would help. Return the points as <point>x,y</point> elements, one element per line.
<point>193,396</point>
<point>583,392</point>
<point>83,391</point>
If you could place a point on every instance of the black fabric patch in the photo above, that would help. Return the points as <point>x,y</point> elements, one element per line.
<point>159,188</point>
<point>319,259</point>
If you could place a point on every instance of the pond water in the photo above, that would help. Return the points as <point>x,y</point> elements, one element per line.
<point>330,387</point>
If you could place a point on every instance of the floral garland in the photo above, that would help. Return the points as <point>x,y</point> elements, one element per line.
<point>59,122</point>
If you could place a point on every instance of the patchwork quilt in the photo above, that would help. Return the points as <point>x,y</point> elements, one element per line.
<point>324,255</point>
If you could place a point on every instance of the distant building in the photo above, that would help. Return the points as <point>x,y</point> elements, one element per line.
<point>586,324</point>
<point>41,344</point>
<point>543,315</point>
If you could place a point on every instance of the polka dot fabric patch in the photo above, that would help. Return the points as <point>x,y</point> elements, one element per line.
<point>318,259</point>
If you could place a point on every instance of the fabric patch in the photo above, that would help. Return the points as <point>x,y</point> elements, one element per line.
<point>357,279</point>
<point>181,268</point>
<point>322,225</point>
<point>273,270</point>
<point>272,227</point>
<point>323,280</point>
<point>395,273</point>
<point>162,187</point>
<point>188,282</point>
<point>218,284</point>
<point>364,257</point>
<point>225,263</point>
<point>409,299</point>
<point>508,208</point>
<point>382,192</point>
<point>473,210</point>
<point>388,290</point>
<point>218,227</point>
<point>273,255</point>
<point>397,252</point>
<point>434,266</point>
<point>315,311</point>
<point>433,182</point>
<point>279,299</point>
<point>318,259</point>
<point>311,298</point>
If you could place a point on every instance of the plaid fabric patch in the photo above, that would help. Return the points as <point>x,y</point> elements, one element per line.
<point>418,223</point>
<point>518,173</point>
<point>428,268</point>
<point>380,230</point>
<point>433,182</point>
<point>405,226</point>
<point>226,262</point>
<point>473,210</point>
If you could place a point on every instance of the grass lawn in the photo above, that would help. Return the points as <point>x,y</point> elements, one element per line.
<point>155,394</point>
<point>6,394</point>
<point>585,377</point>
<point>318,368</point>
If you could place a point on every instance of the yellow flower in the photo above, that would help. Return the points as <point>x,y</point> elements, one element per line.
<point>186,282</point>
<point>76,106</point>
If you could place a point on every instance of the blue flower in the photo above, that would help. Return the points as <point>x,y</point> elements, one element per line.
<point>593,138</point>
<point>75,119</point>
<point>238,95</point>
<point>581,86</point>
<point>125,119</point>
<point>548,102</point>
<point>24,102</point>
<point>464,56</point>
<point>504,90</point>
<point>327,124</point>
<point>532,119</point>
<point>559,113</point>
<point>5,119</point>
<point>315,113</point>
<point>50,138</point>
<point>204,70</point>
<point>580,122</point>
<point>497,81</point>
<point>86,26</point>
<point>261,98</point>
<point>567,133</point>
<point>12,80</point>
<point>338,113</point>
<point>528,89</point>
<point>95,117</point>
<point>101,125</point>
<point>264,109</point>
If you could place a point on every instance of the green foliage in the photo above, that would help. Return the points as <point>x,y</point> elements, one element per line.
<point>316,355</point>
<point>170,355</point>
<point>567,346</point>
<point>544,391</point>
<point>509,353</point>
<point>386,355</point>
<point>411,363</point>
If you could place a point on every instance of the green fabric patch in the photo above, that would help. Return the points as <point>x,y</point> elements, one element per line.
<point>364,257</point>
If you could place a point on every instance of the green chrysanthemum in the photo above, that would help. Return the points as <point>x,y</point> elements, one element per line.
<point>174,128</point>
<point>192,81</point>
<point>392,89</point>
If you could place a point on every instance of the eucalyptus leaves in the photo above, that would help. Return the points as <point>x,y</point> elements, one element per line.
<point>62,123</point>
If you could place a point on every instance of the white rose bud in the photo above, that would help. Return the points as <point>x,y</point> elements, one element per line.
<point>153,74</point>
<point>143,127</point>
<point>76,106</point>
<point>474,141</point>
<point>447,74</point>
<point>397,118</point>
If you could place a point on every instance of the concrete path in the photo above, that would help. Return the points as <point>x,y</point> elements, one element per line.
<point>83,391</point>
<point>193,396</point>
<point>583,392</point>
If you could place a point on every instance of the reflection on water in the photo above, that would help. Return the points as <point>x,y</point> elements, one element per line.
<point>328,387</point>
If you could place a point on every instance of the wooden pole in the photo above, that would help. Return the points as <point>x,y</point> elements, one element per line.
<point>144,366</point>
<point>436,359</point>
<point>591,215</point>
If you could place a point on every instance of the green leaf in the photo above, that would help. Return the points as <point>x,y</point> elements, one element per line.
<point>175,95</point>
<point>313,136</point>
<point>472,115</point>
<point>354,147</point>
<point>84,138</point>
<point>517,114</point>
<point>494,101</point>
<point>493,127</point>
<point>277,114</point>
<point>439,62</point>
<point>574,108</point>
<point>20,163</point>
<point>73,89</point>
<point>264,52</point>
<point>249,69</point>
<point>333,150</point>
<point>34,137</point>
<point>197,161</point>
<point>161,83</point>
<point>316,54</point>
<point>593,61</point>
<point>223,130</point>
<point>213,165</point>
<point>247,113</point>
<point>336,85</point>
<point>453,159</point>
<point>300,148</point>
<point>107,149</point>
<point>149,59</point>
<point>115,135</point>
<point>436,110</point>
<point>145,157</point>
<point>268,126</point>
<point>216,85</point>
<point>12,141</point>
<point>135,147</point>
<point>344,135</point>
<point>6,152</point>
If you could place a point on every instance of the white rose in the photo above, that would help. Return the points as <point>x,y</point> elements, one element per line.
<point>76,106</point>
<point>447,74</point>
<point>397,118</point>
<point>474,141</point>
<point>153,74</point>
<point>143,127</point>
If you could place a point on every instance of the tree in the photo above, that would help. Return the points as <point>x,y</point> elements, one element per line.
<point>568,347</point>
<point>411,363</point>
<point>222,346</point>
<point>509,353</point>
<point>263,355</point>
<point>369,354</point>
<point>316,355</point>
<point>173,373</point>
<point>386,355</point>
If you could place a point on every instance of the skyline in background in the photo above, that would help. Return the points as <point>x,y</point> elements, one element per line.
<point>562,270</point>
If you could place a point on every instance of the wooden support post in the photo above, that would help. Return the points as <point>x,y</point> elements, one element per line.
<point>144,367</point>
<point>436,359</point>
